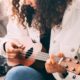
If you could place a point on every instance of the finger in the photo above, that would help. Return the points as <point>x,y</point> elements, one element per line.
<point>52,59</point>
<point>22,47</point>
<point>17,44</point>
<point>19,50</point>
<point>60,55</point>
<point>78,69</point>
<point>48,61</point>
<point>11,55</point>
<point>52,56</point>
<point>14,50</point>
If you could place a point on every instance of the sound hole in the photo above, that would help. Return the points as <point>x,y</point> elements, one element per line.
<point>29,53</point>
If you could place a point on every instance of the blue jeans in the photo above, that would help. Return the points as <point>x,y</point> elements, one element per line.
<point>23,73</point>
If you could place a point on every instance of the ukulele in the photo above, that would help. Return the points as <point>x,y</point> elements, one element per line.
<point>33,52</point>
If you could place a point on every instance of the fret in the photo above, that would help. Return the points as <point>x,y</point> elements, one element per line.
<point>44,56</point>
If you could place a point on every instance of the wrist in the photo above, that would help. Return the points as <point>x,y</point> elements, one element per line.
<point>63,74</point>
<point>4,46</point>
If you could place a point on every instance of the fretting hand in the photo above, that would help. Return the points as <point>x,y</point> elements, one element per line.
<point>52,66</point>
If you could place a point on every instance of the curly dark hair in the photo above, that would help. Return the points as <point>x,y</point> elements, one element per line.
<point>48,13</point>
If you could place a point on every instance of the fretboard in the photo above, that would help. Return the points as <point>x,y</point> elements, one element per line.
<point>44,56</point>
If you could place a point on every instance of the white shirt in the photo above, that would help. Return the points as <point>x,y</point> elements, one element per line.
<point>17,31</point>
<point>67,39</point>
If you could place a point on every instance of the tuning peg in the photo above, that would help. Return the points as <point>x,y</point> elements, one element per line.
<point>69,59</point>
<point>72,69</point>
<point>78,73</point>
<point>66,66</point>
<point>77,62</point>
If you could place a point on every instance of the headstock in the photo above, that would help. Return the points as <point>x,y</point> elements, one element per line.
<point>71,65</point>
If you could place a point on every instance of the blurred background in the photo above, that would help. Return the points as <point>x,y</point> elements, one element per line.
<point>4,6</point>
<point>3,17</point>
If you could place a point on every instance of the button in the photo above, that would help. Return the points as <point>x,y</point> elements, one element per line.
<point>72,50</point>
<point>74,77</point>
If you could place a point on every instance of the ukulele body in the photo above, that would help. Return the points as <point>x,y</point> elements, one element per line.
<point>31,59</point>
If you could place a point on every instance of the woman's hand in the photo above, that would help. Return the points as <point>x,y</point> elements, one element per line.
<point>52,66</point>
<point>13,48</point>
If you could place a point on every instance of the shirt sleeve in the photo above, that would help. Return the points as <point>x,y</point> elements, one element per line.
<point>71,16</point>
<point>12,33</point>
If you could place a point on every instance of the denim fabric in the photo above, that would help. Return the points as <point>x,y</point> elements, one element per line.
<point>23,73</point>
